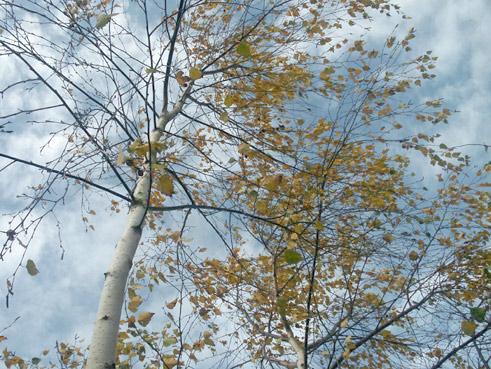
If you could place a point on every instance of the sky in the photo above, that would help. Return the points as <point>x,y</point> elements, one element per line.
<point>61,301</point>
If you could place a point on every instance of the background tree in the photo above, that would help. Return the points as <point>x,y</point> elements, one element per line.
<point>226,108</point>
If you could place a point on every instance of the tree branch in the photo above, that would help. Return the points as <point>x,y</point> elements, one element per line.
<point>65,174</point>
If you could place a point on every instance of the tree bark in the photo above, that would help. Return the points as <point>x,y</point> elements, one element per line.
<point>102,348</point>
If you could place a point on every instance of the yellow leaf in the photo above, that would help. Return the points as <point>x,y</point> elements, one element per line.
<point>138,147</point>
<point>468,327</point>
<point>262,206</point>
<point>208,341</point>
<point>272,183</point>
<point>165,184</point>
<point>145,317</point>
<point>344,323</point>
<point>195,73</point>
<point>244,149</point>
<point>390,42</point>
<point>291,244</point>
<point>175,236</point>
<point>157,146</point>
<point>171,304</point>
<point>438,352</point>
<point>350,345</point>
<point>413,256</point>
<point>372,298</point>
<point>16,360</point>
<point>170,362</point>
<point>182,79</point>
<point>229,100</point>
<point>135,301</point>
<point>388,237</point>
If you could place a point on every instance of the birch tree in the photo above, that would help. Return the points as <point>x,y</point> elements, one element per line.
<point>371,272</point>
<point>221,109</point>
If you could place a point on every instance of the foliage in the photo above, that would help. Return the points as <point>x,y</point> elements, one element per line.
<point>279,127</point>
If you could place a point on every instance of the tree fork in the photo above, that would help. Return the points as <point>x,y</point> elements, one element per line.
<point>102,350</point>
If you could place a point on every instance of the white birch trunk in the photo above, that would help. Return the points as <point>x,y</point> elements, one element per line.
<point>102,348</point>
<point>298,347</point>
<point>294,342</point>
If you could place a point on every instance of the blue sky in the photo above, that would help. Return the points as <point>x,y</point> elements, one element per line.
<point>62,300</point>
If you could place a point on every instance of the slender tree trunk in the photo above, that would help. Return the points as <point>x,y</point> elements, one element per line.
<point>294,342</point>
<point>297,346</point>
<point>102,348</point>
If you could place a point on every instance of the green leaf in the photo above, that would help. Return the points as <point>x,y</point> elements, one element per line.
<point>149,70</point>
<point>292,257</point>
<point>254,194</point>
<point>102,20</point>
<point>326,73</point>
<point>243,49</point>
<point>169,341</point>
<point>35,360</point>
<point>31,268</point>
<point>282,304</point>
<point>478,314</point>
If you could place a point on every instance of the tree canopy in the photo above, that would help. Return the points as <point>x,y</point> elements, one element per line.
<point>283,129</point>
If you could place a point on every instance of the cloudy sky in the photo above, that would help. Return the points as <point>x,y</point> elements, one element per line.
<point>61,300</point>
